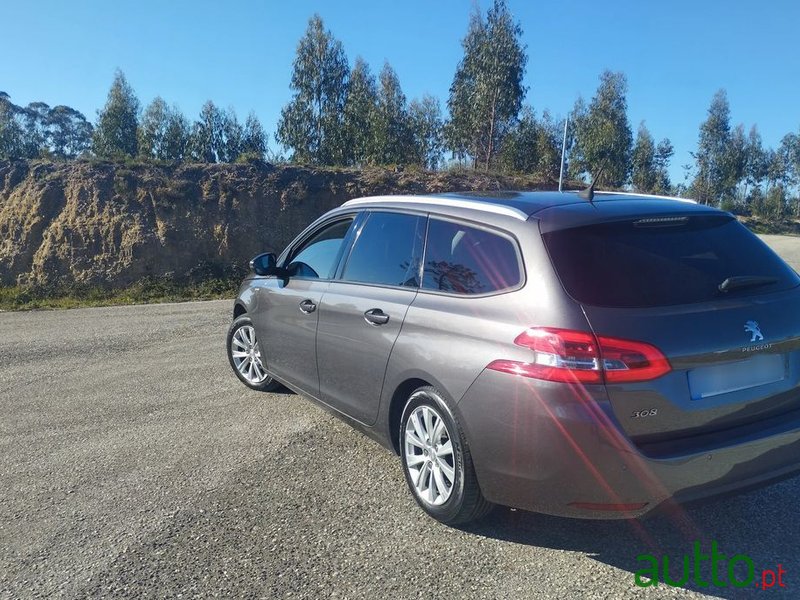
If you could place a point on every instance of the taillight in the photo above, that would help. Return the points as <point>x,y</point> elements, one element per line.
<point>626,360</point>
<point>569,356</point>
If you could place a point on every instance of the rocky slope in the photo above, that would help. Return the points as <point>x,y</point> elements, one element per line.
<point>99,223</point>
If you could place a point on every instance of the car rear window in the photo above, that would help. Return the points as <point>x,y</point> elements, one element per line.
<point>468,260</point>
<point>662,261</point>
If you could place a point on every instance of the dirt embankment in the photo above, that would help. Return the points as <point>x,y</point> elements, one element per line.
<point>112,224</point>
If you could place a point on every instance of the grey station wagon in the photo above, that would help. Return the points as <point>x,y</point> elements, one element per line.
<point>577,357</point>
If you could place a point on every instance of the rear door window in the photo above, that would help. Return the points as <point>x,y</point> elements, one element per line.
<point>661,262</point>
<point>388,250</point>
<point>468,260</point>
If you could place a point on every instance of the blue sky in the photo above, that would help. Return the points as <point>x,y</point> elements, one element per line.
<point>676,54</point>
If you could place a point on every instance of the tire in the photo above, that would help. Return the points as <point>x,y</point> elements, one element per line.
<point>429,464</point>
<point>249,369</point>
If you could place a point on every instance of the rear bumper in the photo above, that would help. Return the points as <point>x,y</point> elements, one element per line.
<point>557,449</point>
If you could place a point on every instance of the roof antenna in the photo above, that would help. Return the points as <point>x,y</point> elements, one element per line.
<point>588,193</point>
<point>563,151</point>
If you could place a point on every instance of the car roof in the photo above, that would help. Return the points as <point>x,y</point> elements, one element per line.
<point>553,209</point>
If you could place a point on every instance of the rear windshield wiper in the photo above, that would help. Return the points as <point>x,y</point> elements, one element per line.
<point>745,281</point>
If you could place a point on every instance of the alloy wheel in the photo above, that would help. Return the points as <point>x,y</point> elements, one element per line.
<point>247,356</point>
<point>429,455</point>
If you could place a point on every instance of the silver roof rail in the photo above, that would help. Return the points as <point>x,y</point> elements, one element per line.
<point>654,196</point>
<point>471,203</point>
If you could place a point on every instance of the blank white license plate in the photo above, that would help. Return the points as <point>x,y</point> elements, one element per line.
<point>741,375</point>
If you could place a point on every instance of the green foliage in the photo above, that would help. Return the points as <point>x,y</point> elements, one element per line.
<point>177,130</point>
<point>152,129</point>
<point>231,138</point>
<point>205,142</point>
<point>218,137</point>
<point>38,131</point>
<point>341,118</point>
<point>11,132</point>
<point>533,146</point>
<point>68,132</point>
<point>115,135</point>
<point>664,153</point>
<point>643,161</point>
<point>487,92</point>
<point>254,140</point>
<point>519,153</point>
<point>603,137</point>
<point>393,137</point>
<point>775,204</point>
<point>757,161</point>
<point>360,114</point>
<point>311,124</point>
<point>148,290</point>
<point>163,132</point>
<point>548,147</point>
<point>721,159</point>
<point>650,163</point>
<point>425,121</point>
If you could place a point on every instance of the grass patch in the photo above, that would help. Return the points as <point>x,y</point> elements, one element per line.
<point>146,291</point>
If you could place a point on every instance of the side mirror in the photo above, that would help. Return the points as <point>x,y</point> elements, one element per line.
<point>264,264</point>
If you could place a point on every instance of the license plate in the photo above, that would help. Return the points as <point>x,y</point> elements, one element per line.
<point>741,375</point>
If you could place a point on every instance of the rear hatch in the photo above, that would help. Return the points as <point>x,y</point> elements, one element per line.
<point>718,303</point>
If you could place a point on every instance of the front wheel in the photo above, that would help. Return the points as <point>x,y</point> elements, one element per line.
<point>244,355</point>
<point>437,462</point>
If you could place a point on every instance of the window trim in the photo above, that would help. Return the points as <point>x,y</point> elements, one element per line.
<point>482,226</point>
<point>362,223</point>
<point>289,252</point>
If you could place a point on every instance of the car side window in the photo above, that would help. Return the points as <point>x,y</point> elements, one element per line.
<point>316,257</point>
<point>467,260</point>
<point>388,250</point>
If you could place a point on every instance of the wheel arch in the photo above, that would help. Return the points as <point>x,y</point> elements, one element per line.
<point>239,309</point>
<point>396,405</point>
<point>413,380</point>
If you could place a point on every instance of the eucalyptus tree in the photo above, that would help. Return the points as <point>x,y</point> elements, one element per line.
<point>310,124</point>
<point>152,129</point>
<point>394,143</point>
<point>177,136</point>
<point>425,120</point>
<point>69,134</point>
<point>643,161</point>
<point>519,153</point>
<point>603,138</point>
<point>549,135</point>
<point>360,115</point>
<point>207,136</point>
<point>487,91</point>
<point>11,133</point>
<point>712,181</point>
<point>254,140</point>
<point>650,163</point>
<point>115,135</point>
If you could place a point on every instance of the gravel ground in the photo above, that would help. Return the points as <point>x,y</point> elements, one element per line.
<point>134,464</point>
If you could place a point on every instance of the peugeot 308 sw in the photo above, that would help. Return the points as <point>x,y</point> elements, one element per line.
<point>537,350</point>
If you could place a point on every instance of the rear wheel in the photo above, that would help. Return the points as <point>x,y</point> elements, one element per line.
<point>437,462</point>
<point>244,355</point>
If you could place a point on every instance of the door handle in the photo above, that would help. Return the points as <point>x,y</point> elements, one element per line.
<point>376,316</point>
<point>307,306</point>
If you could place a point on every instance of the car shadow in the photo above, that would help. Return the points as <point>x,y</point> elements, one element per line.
<point>761,525</point>
<point>283,391</point>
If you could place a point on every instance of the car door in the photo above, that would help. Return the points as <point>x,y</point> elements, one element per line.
<point>286,312</point>
<point>362,311</point>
